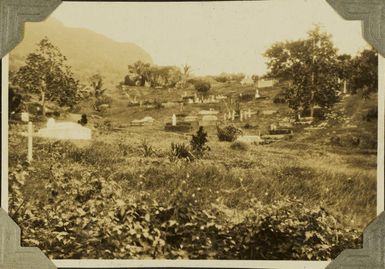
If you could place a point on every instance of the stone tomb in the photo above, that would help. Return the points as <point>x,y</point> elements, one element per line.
<point>146,121</point>
<point>64,131</point>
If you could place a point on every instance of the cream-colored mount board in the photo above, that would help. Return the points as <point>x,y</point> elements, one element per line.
<point>13,15</point>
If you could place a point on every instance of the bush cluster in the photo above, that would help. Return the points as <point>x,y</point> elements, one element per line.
<point>228,133</point>
<point>77,202</point>
<point>83,215</point>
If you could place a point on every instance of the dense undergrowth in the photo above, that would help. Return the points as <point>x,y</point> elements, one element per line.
<point>112,201</point>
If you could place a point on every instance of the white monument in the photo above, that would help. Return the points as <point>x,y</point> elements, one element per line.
<point>173,119</point>
<point>257,95</point>
<point>25,117</point>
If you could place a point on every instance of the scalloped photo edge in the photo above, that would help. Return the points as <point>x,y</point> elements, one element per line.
<point>213,263</point>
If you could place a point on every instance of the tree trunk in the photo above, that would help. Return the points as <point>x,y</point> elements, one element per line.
<point>312,110</point>
<point>312,94</point>
<point>43,103</point>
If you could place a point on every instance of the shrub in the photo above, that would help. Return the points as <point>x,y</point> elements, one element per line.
<point>180,151</point>
<point>202,86</point>
<point>280,98</point>
<point>299,232</point>
<point>105,125</point>
<point>371,115</point>
<point>246,97</point>
<point>228,133</point>
<point>198,143</point>
<point>103,100</point>
<point>147,149</point>
<point>221,79</point>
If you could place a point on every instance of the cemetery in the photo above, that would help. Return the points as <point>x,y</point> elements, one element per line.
<point>165,164</point>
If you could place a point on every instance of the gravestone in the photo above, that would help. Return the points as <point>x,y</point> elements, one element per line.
<point>25,116</point>
<point>50,122</point>
<point>208,120</point>
<point>257,95</point>
<point>208,112</point>
<point>173,120</point>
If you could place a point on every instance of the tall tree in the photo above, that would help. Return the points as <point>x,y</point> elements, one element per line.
<point>364,76</point>
<point>47,73</point>
<point>310,66</point>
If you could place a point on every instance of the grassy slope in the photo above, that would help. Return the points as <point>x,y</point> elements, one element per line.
<point>343,180</point>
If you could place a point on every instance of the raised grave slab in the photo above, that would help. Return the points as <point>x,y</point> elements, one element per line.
<point>64,131</point>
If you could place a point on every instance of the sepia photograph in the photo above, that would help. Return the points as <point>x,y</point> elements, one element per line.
<point>192,130</point>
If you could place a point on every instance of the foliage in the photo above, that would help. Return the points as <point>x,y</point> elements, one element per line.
<point>229,77</point>
<point>364,77</point>
<point>147,149</point>
<point>201,86</point>
<point>311,66</point>
<point>180,151</point>
<point>47,73</point>
<point>142,74</point>
<point>280,98</point>
<point>198,143</point>
<point>288,229</point>
<point>15,101</point>
<point>344,66</point>
<point>228,133</point>
<point>101,99</point>
<point>371,115</point>
<point>97,203</point>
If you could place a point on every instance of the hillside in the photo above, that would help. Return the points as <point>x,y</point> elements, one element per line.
<point>87,52</point>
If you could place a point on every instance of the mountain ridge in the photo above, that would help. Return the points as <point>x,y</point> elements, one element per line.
<point>88,52</point>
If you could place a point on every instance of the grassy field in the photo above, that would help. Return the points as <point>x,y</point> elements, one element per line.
<point>288,185</point>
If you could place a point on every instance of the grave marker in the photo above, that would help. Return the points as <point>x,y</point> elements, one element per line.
<point>257,95</point>
<point>25,117</point>
<point>173,119</point>
<point>50,123</point>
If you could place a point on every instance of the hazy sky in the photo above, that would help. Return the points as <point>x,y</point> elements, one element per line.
<point>212,37</point>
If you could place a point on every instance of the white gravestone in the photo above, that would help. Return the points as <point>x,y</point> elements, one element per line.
<point>51,123</point>
<point>257,95</point>
<point>173,120</point>
<point>24,117</point>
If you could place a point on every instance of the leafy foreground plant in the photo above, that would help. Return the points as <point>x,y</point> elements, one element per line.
<point>80,214</point>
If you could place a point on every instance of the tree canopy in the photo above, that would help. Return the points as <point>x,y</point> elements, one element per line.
<point>47,73</point>
<point>364,76</point>
<point>311,67</point>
